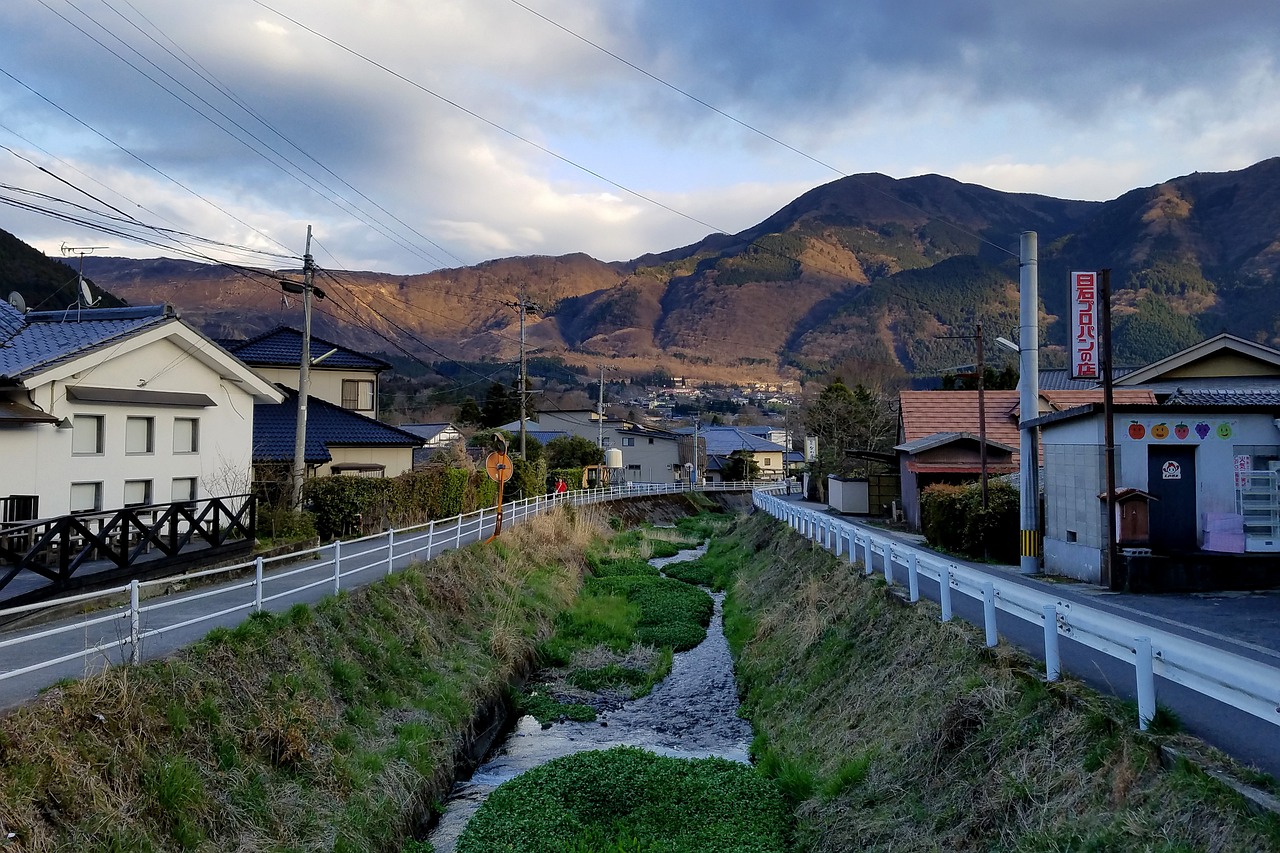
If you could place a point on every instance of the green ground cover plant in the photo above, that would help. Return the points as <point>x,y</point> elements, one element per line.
<point>715,568</point>
<point>329,727</point>
<point>892,731</point>
<point>627,799</point>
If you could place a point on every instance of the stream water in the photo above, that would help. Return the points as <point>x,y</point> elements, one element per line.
<point>692,713</point>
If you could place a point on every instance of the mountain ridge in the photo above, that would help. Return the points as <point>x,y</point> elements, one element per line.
<point>866,268</point>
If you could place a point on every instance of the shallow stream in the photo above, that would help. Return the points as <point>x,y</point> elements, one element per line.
<point>692,713</point>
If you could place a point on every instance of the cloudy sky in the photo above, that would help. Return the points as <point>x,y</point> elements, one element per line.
<point>415,134</point>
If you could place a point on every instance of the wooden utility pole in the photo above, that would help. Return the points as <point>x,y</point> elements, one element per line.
<point>523,306</point>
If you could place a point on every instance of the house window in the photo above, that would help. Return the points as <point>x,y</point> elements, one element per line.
<point>139,435</point>
<point>357,394</point>
<point>651,441</point>
<point>184,489</point>
<point>628,442</point>
<point>606,442</point>
<point>86,497</point>
<point>137,492</point>
<point>186,435</point>
<point>86,435</point>
<point>633,469</point>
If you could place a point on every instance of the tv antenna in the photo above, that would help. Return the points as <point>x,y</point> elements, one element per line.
<point>84,296</point>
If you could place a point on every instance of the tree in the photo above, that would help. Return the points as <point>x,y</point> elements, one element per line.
<point>742,465</point>
<point>1005,379</point>
<point>469,413</point>
<point>845,420</point>
<point>501,406</point>
<point>572,451</point>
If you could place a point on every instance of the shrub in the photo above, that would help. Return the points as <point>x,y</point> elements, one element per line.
<point>953,519</point>
<point>347,505</point>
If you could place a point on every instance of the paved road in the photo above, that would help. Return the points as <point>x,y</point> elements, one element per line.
<point>1247,624</point>
<point>286,582</point>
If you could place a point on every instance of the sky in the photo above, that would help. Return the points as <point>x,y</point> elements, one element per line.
<point>418,134</point>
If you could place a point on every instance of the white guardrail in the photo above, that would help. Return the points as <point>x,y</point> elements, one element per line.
<point>331,567</point>
<point>1240,682</point>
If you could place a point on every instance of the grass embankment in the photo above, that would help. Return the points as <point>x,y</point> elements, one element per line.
<point>893,731</point>
<point>326,728</point>
<point>619,637</point>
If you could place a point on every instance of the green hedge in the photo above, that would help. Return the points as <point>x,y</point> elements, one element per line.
<point>349,505</point>
<point>953,519</point>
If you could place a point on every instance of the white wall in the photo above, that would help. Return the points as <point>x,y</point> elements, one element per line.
<point>325,384</point>
<point>38,459</point>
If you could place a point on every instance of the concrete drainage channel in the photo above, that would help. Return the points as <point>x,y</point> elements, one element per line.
<point>692,713</point>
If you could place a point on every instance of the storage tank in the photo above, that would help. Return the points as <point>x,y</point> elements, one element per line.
<point>613,461</point>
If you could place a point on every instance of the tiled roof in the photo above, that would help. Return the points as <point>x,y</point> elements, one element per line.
<point>41,339</point>
<point>722,441</point>
<point>1059,379</point>
<point>275,424</point>
<point>282,347</point>
<point>939,439</point>
<point>927,412</point>
<point>1198,397</point>
<point>426,432</point>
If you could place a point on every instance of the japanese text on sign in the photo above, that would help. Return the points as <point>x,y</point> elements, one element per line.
<point>1084,325</point>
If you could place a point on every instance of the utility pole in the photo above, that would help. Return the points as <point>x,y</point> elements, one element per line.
<point>982,404</point>
<point>600,410</point>
<point>1110,577</point>
<point>524,306</point>
<point>304,375</point>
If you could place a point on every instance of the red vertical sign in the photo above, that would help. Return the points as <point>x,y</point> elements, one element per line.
<point>1084,325</point>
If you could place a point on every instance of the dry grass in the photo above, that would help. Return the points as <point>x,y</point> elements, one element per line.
<point>970,750</point>
<point>326,727</point>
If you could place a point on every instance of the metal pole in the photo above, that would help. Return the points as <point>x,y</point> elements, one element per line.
<point>523,387</point>
<point>304,380</point>
<point>600,409</point>
<point>337,566</point>
<point>1029,400</point>
<point>1146,682</point>
<point>257,585</point>
<point>888,564</point>
<point>913,579</point>
<point>135,625</point>
<point>989,612</point>
<point>1052,661</point>
<point>1110,577</point>
<point>944,593</point>
<point>391,550</point>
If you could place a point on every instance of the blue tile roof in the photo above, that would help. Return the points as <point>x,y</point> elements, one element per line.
<point>721,441</point>
<point>282,347</point>
<point>275,425</point>
<point>41,339</point>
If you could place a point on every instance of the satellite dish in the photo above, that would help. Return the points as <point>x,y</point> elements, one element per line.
<point>86,295</point>
<point>16,300</point>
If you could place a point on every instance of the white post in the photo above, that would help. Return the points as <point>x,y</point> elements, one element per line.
<point>888,563</point>
<point>913,578</point>
<point>391,550</point>
<point>989,612</point>
<point>431,534</point>
<point>1052,662</point>
<point>337,566</point>
<point>135,625</point>
<point>457,533</point>
<point>1146,682</point>
<point>944,593</point>
<point>867,557</point>
<point>257,585</point>
<point>839,541</point>
<point>853,546</point>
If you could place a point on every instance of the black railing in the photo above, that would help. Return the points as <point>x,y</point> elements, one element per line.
<point>88,547</point>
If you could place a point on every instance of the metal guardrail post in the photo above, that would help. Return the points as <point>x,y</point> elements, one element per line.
<point>391,550</point>
<point>913,577</point>
<point>853,547</point>
<point>839,541</point>
<point>1146,682</point>
<point>431,534</point>
<point>989,612</point>
<point>337,566</point>
<point>257,585</point>
<point>457,533</point>
<point>888,563</point>
<point>868,567</point>
<point>135,625</point>
<point>1052,661</point>
<point>944,592</point>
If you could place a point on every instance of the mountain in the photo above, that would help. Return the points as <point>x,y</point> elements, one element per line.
<point>866,270</point>
<point>44,283</point>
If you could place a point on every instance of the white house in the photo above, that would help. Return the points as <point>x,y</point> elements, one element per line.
<point>103,408</point>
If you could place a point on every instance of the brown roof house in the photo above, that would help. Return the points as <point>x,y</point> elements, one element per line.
<point>938,435</point>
